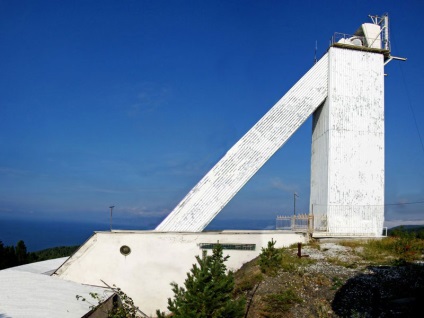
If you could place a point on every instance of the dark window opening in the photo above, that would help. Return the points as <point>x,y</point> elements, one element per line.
<point>229,246</point>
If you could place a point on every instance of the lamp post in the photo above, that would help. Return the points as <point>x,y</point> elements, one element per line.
<point>111,208</point>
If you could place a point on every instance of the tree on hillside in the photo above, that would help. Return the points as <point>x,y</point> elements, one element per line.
<point>21,253</point>
<point>207,292</point>
<point>7,256</point>
<point>270,259</point>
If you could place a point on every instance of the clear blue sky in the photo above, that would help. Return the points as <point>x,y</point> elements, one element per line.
<point>132,102</point>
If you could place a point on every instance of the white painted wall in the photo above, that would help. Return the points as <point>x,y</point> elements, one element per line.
<point>157,259</point>
<point>347,165</point>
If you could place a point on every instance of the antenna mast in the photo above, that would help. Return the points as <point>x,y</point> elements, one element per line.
<point>383,22</point>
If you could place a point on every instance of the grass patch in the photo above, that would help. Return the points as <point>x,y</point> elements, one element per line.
<point>276,305</point>
<point>247,282</point>
<point>337,283</point>
<point>291,263</point>
<point>320,280</point>
<point>323,309</point>
<point>393,250</point>
<point>352,243</point>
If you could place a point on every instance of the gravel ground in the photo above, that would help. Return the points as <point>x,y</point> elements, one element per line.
<point>338,283</point>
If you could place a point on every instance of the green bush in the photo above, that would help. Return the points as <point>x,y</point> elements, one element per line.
<point>270,259</point>
<point>123,306</point>
<point>207,291</point>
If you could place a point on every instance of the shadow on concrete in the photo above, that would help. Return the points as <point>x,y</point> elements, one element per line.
<point>383,291</point>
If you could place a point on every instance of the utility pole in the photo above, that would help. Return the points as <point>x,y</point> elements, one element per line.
<point>294,203</point>
<point>111,208</point>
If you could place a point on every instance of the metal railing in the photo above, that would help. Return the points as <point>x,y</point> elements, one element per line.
<point>357,220</point>
<point>348,39</point>
<point>299,222</point>
<point>358,41</point>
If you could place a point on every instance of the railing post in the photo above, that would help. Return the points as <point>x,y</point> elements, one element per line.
<point>310,223</point>
<point>311,220</point>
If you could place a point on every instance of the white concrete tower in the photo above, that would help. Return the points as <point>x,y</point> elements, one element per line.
<point>345,92</point>
<point>347,164</point>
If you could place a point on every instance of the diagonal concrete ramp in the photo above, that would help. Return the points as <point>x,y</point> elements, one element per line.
<point>250,153</point>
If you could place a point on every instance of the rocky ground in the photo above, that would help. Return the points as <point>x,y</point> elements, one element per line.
<point>334,280</point>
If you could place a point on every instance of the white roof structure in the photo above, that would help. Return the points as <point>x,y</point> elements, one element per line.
<point>27,291</point>
<point>43,267</point>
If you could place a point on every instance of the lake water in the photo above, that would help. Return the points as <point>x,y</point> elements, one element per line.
<point>42,234</point>
<point>39,235</point>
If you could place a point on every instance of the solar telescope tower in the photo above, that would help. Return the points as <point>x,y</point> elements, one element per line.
<point>344,92</point>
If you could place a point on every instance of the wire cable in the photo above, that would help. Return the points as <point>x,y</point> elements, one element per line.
<point>393,40</point>
<point>403,203</point>
<point>410,107</point>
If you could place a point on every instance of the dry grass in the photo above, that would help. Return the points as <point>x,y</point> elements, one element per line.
<point>314,244</point>
<point>385,251</point>
<point>353,244</point>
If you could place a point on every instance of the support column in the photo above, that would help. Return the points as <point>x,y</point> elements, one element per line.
<point>347,164</point>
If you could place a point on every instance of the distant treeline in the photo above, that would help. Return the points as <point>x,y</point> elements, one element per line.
<point>11,256</point>
<point>416,231</point>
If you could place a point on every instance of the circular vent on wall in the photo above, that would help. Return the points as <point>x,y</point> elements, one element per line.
<point>125,250</point>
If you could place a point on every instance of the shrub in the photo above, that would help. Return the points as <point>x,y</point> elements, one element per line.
<point>207,291</point>
<point>123,306</point>
<point>270,259</point>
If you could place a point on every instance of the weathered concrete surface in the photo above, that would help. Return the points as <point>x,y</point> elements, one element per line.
<point>347,165</point>
<point>157,259</point>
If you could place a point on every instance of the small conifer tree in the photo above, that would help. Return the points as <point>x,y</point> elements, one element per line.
<point>207,292</point>
<point>270,259</point>
<point>21,253</point>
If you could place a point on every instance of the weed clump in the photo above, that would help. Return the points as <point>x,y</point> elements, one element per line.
<point>276,305</point>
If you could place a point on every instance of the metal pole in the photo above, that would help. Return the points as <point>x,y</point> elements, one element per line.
<point>111,208</point>
<point>294,203</point>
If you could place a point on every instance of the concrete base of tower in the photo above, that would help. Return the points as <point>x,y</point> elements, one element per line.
<point>144,263</point>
